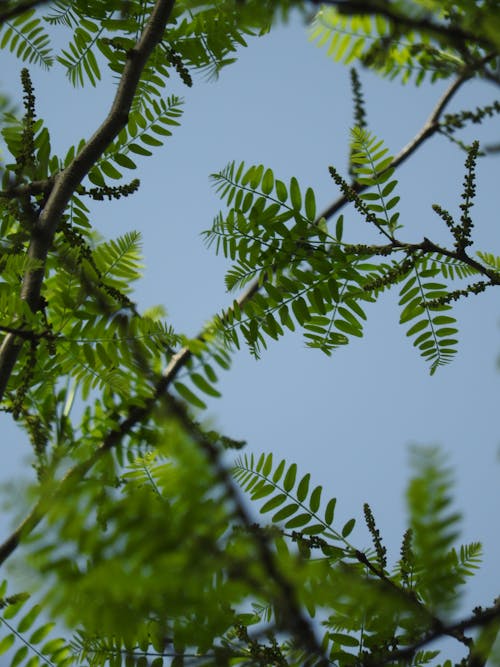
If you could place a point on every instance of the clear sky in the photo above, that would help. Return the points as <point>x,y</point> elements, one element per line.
<point>347,419</point>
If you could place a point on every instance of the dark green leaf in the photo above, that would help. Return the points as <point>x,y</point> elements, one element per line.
<point>285,512</point>
<point>343,639</point>
<point>274,502</point>
<point>279,471</point>
<point>303,488</point>
<point>330,511</point>
<point>298,521</point>
<point>268,465</point>
<point>315,499</point>
<point>289,481</point>
<point>310,205</point>
<point>347,529</point>
<point>295,194</point>
<point>108,169</point>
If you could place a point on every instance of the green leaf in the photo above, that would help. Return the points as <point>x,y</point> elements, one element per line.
<point>96,177</point>
<point>124,161</point>
<point>13,609</point>
<point>298,521</point>
<point>303,488</point>
<point>343,639</point>
<point>289,481</point>
<point>203,385</point>
<point>268,465</point>
<point>6,643</point>
<point>330,511</point>
<point>315,499</point>
<point>300,310</point>
<point>274,502</point>
<point>347,529</point>
<point>279,471</point>
<point>281,191</point>
<point>188,395</point>
<point>53,646</point>
<point>339,228</point>
<point>19,656</point>
<point>262,490</point>
<point>109,170</point>
<point>285,512</point>
<point>295,194</point>
<point>28,620</point>
<point>310,205</point>
<point>139,150</point>
<point>417,327</point>
<point>40,634</point>
<point>267,182</point>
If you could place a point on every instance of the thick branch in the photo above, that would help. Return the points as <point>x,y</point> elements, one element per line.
<point>20,8</point>
<point>66,182</point>
<point>42,187</point>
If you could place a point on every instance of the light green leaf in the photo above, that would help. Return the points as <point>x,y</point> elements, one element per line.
<point>6,642</point>
<point>28,620</point>
<point>203,385</point>
<point>40,634</point>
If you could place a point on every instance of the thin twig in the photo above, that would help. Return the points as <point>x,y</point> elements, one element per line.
<point>429,128</point>
<point>482,619</point>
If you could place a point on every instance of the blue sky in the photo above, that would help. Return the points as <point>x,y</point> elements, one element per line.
<point>347,419</point>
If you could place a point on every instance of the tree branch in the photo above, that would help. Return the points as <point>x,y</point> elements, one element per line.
<point>19,9</point>
<point>482,619</point>
<point>66,182</point>
<point>42,187</point>
<point>430,127</point>
<point>453,34</point>
<point>291,611</point>
<point>179,360</point>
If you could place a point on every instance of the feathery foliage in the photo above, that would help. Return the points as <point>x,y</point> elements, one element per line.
<point>149,542</point>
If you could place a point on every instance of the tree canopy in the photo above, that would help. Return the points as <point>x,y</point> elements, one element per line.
<point>142,545</point>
